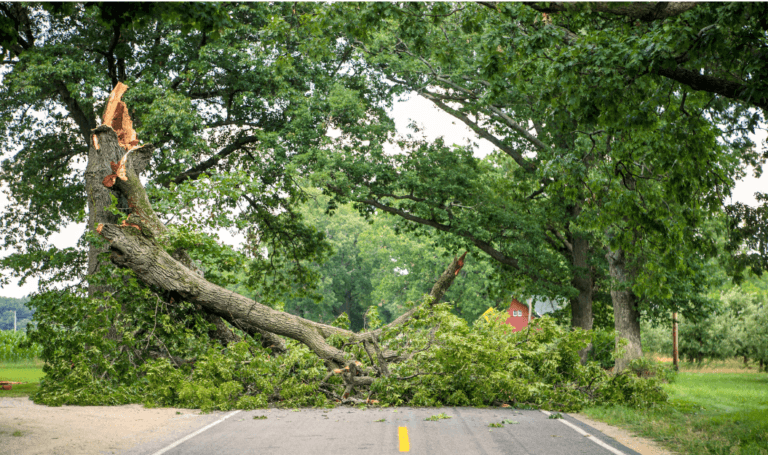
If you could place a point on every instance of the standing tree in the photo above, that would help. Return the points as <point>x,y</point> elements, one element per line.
<point>372,265</point>
<point>588,188</point>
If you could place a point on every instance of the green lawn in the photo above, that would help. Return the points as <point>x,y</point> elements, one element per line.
<point>24,371</point>
<point>708,413</point>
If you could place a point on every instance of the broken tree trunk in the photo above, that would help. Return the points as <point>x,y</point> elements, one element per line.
<point>99,158</point>
<point>107,153</point>
<point>136,243</point>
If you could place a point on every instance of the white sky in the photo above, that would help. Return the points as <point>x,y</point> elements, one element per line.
<point>434,123</point>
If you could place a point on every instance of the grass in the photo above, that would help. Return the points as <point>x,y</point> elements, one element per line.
<point>712,366</point>
<point>29,371</point>
<point>708,413</point>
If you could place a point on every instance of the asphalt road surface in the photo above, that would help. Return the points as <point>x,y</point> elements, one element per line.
<point>386,431</point>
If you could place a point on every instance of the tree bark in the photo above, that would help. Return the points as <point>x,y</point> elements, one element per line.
<point>583,281</point>
<point>107,149</point>
<point>581,305</point>
<point>625,310</point>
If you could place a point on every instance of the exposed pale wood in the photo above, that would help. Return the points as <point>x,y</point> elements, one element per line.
<point>116,116</point>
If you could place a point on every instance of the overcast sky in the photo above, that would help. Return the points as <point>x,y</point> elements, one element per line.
<point>435,123</point>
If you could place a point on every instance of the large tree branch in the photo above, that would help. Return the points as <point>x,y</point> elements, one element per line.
<point>642,11</point>
<point>703,82</point>
<point>481,244</point>
<point>482,132</point>
<point>195,171</point>
<point>141,216</point>
<point>84,122</point>
<point>136,244</point>
<point>496,110</point>
<point>110,55</point>
<point>649,12</point>
<point>131,248</point>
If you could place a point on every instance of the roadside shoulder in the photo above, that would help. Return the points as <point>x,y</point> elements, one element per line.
<point>641,445</point>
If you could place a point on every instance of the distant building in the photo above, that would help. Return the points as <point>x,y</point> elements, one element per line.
<point>519,316</point>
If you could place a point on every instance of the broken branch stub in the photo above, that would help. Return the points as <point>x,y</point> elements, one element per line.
<point>116,116</point>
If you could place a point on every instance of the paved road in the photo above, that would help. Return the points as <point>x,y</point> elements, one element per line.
<point>386,431</point>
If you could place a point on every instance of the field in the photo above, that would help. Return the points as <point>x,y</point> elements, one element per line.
<point>714,408</point>
<point>713,366</point>
<point>29,371</point>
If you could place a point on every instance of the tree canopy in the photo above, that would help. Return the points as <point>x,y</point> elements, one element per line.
<point>595,187</point>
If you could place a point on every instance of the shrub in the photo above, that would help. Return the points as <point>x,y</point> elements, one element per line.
<point>603,349</point>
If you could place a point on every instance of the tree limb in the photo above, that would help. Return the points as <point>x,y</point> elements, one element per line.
<point>642,11</point>
<point>720,86</point>
<point>483,245</point>
<point>194,172</point>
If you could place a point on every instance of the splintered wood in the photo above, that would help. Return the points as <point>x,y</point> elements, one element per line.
<point>116,116</point>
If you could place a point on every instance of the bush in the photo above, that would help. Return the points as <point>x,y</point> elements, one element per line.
<point>603,349</point>
<point>649,368</point>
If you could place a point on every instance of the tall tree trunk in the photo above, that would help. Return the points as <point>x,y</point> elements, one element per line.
<point>583,281</point>
<point>625,311</point>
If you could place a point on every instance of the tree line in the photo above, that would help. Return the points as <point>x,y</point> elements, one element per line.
<point>8,306</point>
<point>735,328</point>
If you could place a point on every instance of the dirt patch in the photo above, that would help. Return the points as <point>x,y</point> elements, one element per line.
<point>640,445</point>
<point>30,429</point>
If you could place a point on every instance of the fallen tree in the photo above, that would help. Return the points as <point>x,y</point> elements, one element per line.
<point>427,356</point>
<point>137,244</point>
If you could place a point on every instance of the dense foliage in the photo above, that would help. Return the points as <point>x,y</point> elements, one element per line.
<point>736,328</point>
<point>372,265</point>
<point>448,363</point>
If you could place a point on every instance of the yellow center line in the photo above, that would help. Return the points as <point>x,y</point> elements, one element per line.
<point>402,435</point>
